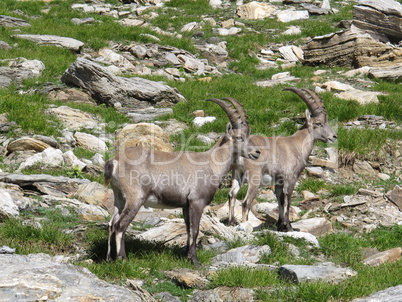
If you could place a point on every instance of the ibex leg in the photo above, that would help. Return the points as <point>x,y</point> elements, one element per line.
<point>133,205</point>
<point>254,181</point>
<point>195,213</point>
<point>236,185</point>
<point>283,194</point>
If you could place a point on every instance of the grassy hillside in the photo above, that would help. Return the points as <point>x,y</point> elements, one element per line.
<point>266,108</point>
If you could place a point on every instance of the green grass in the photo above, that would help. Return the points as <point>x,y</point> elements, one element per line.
<point>265,108</point>
<point>33,120</point>
<point>30,238</point>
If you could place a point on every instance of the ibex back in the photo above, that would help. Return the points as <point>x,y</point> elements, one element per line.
<point>187,180</point>
<point>282,159</point>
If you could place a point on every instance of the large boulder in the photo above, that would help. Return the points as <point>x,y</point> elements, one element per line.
<point>350,48</point>
<point>42,277</point>
<point>143,134</point>
<point>384,17</point>
<point>122,93</point>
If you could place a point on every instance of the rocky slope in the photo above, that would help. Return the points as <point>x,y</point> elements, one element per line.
<point>96,78</point>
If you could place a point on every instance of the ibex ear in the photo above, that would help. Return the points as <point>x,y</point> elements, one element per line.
<point>308,117</point>
<point>229,128</point>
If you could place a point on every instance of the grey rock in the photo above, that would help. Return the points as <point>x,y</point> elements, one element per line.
<point>304,273</point>
<point>6,250</point>
<point>227,294</point>
<point>243,254</point>
<point>82,21</point>
<point>109,89</point>
<point>391,294</point>
<point>4,45</point>
<point>7,21</point>
<point>7,206</point>
<point>351,48</point>
<point>314,9</point>
<point>27,180</point>
<point>395,196</point>
<point>65,42</point>
<point>380,16</point>
<point>27,277</point>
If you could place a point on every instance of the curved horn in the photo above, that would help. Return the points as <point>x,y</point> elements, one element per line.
<point>239,107</point>
<point>312,99</point>
<point>232,114</point>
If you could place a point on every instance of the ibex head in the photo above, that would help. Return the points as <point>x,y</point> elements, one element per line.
<point>238,129</point>
<point>317,120</point>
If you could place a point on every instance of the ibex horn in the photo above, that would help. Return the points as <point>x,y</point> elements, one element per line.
<point>233,115</point>
<point>312,99</point>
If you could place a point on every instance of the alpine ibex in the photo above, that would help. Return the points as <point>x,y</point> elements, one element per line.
<point>187,180</point>
<point>282,159</point>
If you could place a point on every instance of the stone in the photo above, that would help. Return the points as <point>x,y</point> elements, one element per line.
<point>363,168</point>
<point>40,275</point>
<point>8,209</point>
<point>309,238</point>
<point>71,95</point>
<point>350,48</point>
<point>58,41</point>
<point>391,294</point>
<point>170,233</point>
<point>243,254</point>
<point>291,53</point>
<point>395,196</point>
<point>188,278</point>
<point>377,259</point>
<point>7,21</point>
<point>292,30</point>
<point>316,226</point>
<point>49,157</point>
<point>270,211</point>
<point>146,115</point>
<point>143,134</point>
<point>227,294</point>
<point>4,249</point>
<point>229,32</point>
<point>384,17</point>
<point>112,57</point>
<point>292,15</point>
<point>19,71</point>
<point>90,142</point>
<point>28,180</point>
<point>362,97</point>
<point>315,171</point>
<point>73,119</point>
<point>255,10</point>
<point>393,72</point>
<point>93,193</point>
<point>202,120</point>
<point>71,160</point>
<point>314,9</point>
<point>222,213</point>
<point>78,21</point>
<point>214,53</point>
<point>107,88</point>
<point>26,143</point>
<point>313,273</point>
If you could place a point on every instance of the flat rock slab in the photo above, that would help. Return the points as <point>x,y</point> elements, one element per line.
<point>316,226</point>
<point>122,93</point>
<point>383,17</point>
<point>23,180</point>
<point>392,294</point>
<point>65,42</point>
<point>351,48</point>
<point>40,277</point>
<point>305,273</point>
<point>7,21</point>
